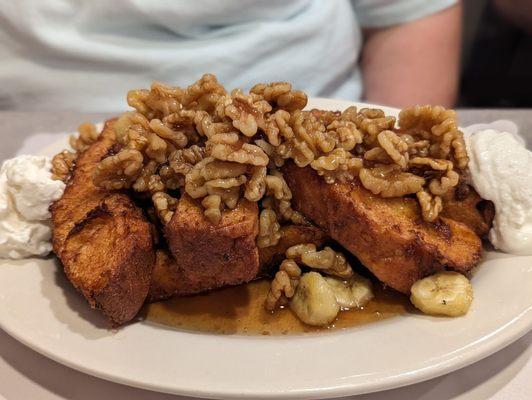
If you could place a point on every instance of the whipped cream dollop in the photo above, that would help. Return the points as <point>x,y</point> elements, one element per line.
<point>26,192</point>
<point>501,171</point>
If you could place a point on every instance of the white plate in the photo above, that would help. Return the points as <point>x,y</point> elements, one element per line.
<point>40,308</point>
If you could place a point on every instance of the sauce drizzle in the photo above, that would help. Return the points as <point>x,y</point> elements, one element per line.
<point>240,310</point>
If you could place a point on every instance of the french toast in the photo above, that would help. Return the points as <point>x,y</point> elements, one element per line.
<point>102,239</point>
<point>171,279</point>
<point>387,235</point>
<point>211,256</point>
<point>465,205</point>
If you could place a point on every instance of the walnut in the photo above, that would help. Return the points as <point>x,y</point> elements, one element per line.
<point>203,94</point>
<point>182,161</point>
<point>245,111</point>
<point>178,139</point>
<point>88,134</point>
<point>269,229</point>
<point>431,205</point>
<point>395,147</point>
<point>346,132</point>
<point>221,173</point>
<point>281,95</point>
<point>118,171</point>
<point>371,122</point>
<point>142,184</point>
<point>212,204</point>
<point>62,165</point>
<point>338,165</point>
<point>246,154</point>
<point>388,181</point>
<point>256,185</point>
<point>165,205</point>
<point>326,260</point>
<point>283,285</point>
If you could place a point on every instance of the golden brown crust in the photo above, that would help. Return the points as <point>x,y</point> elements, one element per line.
<point>465,205</point>
<point>103,240</point>
<point>387,235</point>
<point>169,279</point>
<point>212,256</point>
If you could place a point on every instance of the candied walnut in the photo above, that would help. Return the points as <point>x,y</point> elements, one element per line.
<point>178,139</point>
<point>281,94</point>
<point>338,165</point>
<point>416,147</point>
<point>435,164</point>
<point>377,154</point>
<point>246,154</point>
<point>256,185</point>
<point>395,147</point>
<point>277,186</point>
<point>443,185</point>
<point>296,252</point>
<point>212,204</point>
<point>142,184</point>
<point>347,133</point>
<point>170,178</point>
<point>210,169</point>
<point>157,102</point>
<point>118,171</point>
<point>283,285</point>
<point>388,181</point>
<point>245,111</point>
<point>203,94</point>
<point>431,205</point>
<point>62,165</point>
<point>206,126</point>
<point>439,125</point>
<point>156,148</point>
<point>165,205</point>
<point>130,126</point>
<point>326,260</point>
<point>371,122</point>
<point>269,229</point>
<point>182,161</point>
<point>225,183</point>
<point>446,182</point>
<point>88,134</point>
<point>460,151</point>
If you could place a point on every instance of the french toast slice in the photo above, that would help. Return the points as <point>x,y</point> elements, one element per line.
<point>211,256</point>
<point>465,205</point>
<point>387,235</point>
<point>102,239</point>
<point>171,279</point>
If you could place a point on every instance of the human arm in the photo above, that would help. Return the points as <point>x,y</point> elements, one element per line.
<point>414,63</point>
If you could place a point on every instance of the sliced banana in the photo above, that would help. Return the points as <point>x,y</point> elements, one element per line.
<point>444,293</point>
<point>353,293</point>
<point>314,301</point>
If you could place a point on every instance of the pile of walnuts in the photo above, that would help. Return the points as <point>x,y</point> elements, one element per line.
<point>220,147</point>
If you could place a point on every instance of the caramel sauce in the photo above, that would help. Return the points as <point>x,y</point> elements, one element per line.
<point>240,310</point>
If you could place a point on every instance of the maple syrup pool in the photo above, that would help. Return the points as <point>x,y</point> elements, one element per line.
<point>240,310</point>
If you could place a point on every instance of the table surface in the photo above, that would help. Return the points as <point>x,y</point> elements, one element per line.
<point>25,374</point>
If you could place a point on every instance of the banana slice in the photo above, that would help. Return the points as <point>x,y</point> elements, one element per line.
<point>314,301</point>
<point>353,293</point>
<point>444,293</point>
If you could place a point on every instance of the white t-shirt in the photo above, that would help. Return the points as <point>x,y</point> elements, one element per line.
<point>86,54</point>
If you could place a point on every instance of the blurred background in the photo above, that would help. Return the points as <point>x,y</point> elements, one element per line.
<point>496,54</point>
<point>85,55</point>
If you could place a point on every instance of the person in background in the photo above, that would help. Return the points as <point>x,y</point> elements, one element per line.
<point>84,55</point>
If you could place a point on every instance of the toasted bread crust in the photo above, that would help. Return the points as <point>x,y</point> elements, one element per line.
<point>103,240</point>
<point>387,235</point>
<point>169,279</point>
<point>209,256</point>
